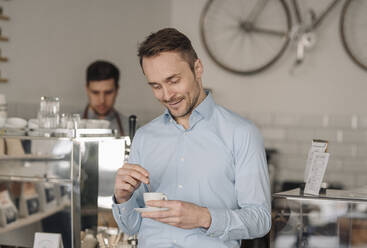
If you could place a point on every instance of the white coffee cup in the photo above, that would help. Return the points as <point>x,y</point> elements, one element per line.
<point>150,196</point>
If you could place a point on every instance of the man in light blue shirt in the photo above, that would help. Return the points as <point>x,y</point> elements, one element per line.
<point>209,161</point>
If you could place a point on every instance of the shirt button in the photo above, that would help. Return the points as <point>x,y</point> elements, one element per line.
<point>180,186</point>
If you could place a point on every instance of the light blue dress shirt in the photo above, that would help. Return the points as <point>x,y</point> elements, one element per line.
<point>218,162</point>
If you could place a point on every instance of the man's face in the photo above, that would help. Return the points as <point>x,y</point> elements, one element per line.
<point>173,82</point>
<point>102,95</point>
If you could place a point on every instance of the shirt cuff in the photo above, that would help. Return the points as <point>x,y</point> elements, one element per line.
<point>218,223</point>
<point>125,207</point>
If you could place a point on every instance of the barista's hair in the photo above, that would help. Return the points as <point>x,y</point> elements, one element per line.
<point>102,70</point>
<point>167,40</point>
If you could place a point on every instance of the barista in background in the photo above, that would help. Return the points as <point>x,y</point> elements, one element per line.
<point>102,88</point>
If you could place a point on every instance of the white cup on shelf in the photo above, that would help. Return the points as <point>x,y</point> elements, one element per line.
<point>2,121</point>
<point>15,122</point>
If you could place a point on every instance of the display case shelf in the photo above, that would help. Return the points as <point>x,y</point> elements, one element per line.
<point>82,161</point>
<point>21,222</point>
<point>32,157</point>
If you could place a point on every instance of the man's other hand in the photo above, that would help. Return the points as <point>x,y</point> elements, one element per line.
<point>180,214</point>
<point>128,179</point>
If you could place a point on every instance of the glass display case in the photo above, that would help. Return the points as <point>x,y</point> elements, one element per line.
<point>336,219</point>
<point>56,183</point>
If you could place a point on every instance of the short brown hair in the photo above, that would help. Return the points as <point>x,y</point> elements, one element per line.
<point>102,70</point>
<point>166,40</point>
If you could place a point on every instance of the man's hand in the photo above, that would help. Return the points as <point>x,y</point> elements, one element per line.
<point>128,179</point>
<point>180,214</point>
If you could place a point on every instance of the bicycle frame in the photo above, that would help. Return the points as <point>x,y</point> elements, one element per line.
<point>303,34</point>
<point>316,21</point>
<point>219,26</point>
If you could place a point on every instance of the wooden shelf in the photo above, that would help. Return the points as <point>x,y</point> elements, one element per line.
<point>4,18</point>
<point>3,80</point>
<point>3,38</point>
<point>31,219</point>
<point>4,59</point>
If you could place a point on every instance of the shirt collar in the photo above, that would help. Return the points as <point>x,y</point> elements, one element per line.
<point>204,109</point>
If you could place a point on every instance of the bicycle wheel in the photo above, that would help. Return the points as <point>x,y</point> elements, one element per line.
<point>353,30</point>
<point>245,36</point>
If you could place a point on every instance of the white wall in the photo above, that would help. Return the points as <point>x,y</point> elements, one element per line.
<point>52,42</point>
<point>327,82</point>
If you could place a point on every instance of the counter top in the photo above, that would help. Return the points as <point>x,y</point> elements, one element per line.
<point>359,194</point>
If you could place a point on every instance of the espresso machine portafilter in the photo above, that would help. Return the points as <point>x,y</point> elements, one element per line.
<point>132,126</point>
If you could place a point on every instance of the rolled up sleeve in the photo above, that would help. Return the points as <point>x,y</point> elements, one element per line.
<point>126,217</point>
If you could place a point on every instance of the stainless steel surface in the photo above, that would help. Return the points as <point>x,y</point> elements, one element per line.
<point>342,195</point>
<point>337,219</point>
<point>82,160</point>
<point>56,133</point>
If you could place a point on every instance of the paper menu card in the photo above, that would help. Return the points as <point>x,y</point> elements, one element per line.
<point>316,172</point>
<point>317,146</point>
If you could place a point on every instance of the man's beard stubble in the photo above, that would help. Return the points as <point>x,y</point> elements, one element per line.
<point>192,106</point>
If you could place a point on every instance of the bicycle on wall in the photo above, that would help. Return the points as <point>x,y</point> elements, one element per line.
<point>248,36</point>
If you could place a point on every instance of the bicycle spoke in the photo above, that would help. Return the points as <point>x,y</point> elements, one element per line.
<point>246,8</point>
<point>255,12</point>
<point>226,12</point>
<point>234,41</point>
<point>265,45</point>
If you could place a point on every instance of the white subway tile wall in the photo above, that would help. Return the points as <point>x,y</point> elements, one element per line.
<point>291,135</point>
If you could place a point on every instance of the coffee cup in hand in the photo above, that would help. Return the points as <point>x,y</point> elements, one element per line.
<point>154,196</point>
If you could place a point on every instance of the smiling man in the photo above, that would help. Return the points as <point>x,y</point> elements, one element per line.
<point>102,89</point>
<point>209,161</point>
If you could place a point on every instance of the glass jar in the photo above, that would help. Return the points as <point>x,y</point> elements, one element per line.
<point>48,115</point>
